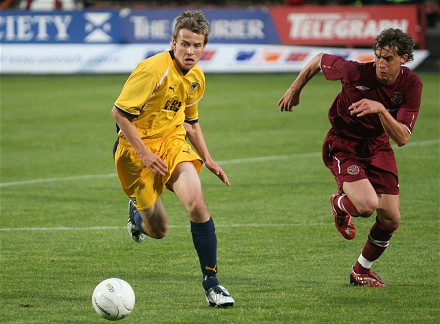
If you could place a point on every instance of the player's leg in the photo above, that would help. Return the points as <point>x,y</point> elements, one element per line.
<point>354,198</point>
<point>360,198</point>
<point>356,195</point>
<point>387,222</point>
<point>146,213</point>
<point>186,184</point>
<point>386,185</point>
<point>153,220</point>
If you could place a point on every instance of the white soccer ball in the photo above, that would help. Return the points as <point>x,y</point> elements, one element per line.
<point>113,299</point>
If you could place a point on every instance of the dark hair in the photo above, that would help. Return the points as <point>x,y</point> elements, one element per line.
<point>401,42</point>
<point>193,20</point>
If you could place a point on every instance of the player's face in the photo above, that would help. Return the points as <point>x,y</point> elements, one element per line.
<point>188,48</point>
<point>388,64</point>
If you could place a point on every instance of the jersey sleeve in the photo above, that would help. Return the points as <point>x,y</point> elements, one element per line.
<point>192,113</point>
<point>337,68</point>
<point>197,91</point>
<point>136,91</point>
<point>409,110</point>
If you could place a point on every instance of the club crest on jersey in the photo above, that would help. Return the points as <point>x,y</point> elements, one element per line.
<point>353,169</point>
<point>193,86</point>
<point>397,98</point>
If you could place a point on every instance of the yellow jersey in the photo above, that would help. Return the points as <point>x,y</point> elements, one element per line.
<point>160,96</point>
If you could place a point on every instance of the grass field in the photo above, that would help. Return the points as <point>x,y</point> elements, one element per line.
<point>63,211</point>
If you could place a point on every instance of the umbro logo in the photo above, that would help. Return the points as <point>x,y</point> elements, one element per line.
<point>363,88</point>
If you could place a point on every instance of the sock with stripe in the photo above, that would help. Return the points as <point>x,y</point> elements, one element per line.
<point>343,205</point>
<point>205,243</point>
<point>378,241</point>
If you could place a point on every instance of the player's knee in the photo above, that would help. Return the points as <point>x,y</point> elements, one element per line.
<point>367,207</point>
<point>157,232</point>
<point>366,212</point>
<point>197,211</point>
<point>158,236</point>
<point>391,221</point>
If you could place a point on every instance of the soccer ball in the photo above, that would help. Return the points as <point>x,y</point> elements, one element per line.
<point>113,299</point>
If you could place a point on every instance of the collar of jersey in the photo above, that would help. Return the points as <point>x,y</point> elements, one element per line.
<point>184,72</point>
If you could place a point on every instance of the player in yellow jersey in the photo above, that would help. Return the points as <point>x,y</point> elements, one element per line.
<point>156,109</point>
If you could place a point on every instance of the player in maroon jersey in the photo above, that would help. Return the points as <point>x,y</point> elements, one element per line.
<point>378,101</point>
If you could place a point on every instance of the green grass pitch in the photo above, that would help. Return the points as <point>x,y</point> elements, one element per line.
<point>63,212</point>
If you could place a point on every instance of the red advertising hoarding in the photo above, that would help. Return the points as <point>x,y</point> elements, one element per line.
<point>342,25</point>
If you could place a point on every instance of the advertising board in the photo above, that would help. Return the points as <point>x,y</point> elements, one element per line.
<point>274,39</point>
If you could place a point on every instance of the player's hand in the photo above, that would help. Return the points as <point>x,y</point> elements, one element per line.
<point>155,164</point>
<point>218,171</point>
<point>364,107</point>
<point>289,100</point>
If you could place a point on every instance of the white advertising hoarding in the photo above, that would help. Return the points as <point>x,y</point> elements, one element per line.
<point>123,58</point>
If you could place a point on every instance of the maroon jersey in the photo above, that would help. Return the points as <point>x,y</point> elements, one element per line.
<point>402,99</point>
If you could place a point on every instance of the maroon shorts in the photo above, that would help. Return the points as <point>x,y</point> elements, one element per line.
<point>353,160</point>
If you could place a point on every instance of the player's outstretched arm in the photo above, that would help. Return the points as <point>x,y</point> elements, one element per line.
<point>291,96</point>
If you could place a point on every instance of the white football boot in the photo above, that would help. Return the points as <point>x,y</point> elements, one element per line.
<point>219,296</point>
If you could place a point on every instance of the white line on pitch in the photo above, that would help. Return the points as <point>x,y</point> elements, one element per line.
<point>107,228</point>
<point>111,228</point>
<point>237,161</point>
<point>49,180</point>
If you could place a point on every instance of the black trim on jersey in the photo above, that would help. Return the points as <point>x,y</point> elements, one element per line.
<point>115,146</point>
<point>194,121</point>
<point>126,114</point>
<point>184,72</point>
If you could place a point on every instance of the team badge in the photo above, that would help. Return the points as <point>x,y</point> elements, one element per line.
<point>397,98</point>
<point>193,86</point>
<point>353,169</point>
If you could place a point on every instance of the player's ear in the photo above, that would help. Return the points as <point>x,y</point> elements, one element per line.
<point>403,59</point>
